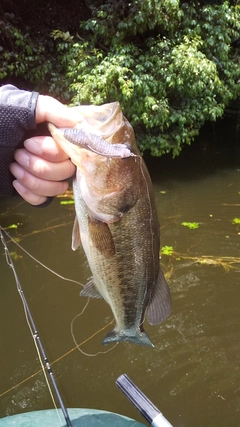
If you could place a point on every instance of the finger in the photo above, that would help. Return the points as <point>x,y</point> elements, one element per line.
<point>50,110</point>
<point>42,168</point>
<point>38,186</point>
<point>46,147</point>
<point>27,195</point>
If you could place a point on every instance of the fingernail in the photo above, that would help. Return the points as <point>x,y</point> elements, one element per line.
<point>18,187</point>
<point>22,158</point>
<point>33,146</point>
<point>16,170</point>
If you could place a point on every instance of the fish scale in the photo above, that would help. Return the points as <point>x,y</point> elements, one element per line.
<point>117,224</point>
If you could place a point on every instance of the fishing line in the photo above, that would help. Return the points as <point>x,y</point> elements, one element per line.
<point>93,335</point>
<point>40,350</point>
<point>39,262</point>
<point>77,347</point>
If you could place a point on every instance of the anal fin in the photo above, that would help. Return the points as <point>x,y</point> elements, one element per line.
<point>160,303</point>
<point>90,290</point>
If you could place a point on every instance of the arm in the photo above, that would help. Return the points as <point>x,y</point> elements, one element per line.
<point>17,115</point>
<point>40,166</point>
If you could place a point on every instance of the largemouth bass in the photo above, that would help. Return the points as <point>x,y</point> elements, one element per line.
<point>116,221</point>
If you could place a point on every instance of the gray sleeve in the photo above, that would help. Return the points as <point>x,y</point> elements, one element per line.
<point>17,116</point>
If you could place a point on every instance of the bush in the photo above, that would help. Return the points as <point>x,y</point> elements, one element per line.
<point>171,67</point>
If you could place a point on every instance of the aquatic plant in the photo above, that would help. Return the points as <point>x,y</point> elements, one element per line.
<point>167,250</point>
<point>191,225</point>
<point>236,221</point>
<point>67,202</point>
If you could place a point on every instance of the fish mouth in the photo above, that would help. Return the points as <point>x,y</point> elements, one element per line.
<point>105,120</point>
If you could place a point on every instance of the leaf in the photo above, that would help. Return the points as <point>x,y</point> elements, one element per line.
<point>167,250</point>
<point>67,202</point>
<point>236,221</point>
<point>15,256</point>
<point>191,225</point>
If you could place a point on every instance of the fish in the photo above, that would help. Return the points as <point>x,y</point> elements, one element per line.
<point>116,221</point>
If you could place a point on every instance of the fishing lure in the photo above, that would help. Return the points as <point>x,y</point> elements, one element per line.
<point>96,144</point>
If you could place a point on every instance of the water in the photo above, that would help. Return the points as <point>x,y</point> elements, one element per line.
<point>193,374</point>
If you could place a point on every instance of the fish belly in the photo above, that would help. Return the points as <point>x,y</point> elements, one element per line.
<point>123,263</point>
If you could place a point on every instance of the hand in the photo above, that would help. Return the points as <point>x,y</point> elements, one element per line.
<point>41,165</point>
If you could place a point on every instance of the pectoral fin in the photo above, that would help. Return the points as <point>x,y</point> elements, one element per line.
<point>76,239</point>
<point>90,290</point>
<point>160,303</point>
<point>101,237</point>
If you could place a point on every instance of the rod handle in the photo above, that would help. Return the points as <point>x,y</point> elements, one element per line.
<point>148,410</point>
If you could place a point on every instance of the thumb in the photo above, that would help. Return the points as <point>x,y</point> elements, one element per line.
<point>48,109</point>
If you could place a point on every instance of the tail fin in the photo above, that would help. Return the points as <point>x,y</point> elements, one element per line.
<point>136,337</point>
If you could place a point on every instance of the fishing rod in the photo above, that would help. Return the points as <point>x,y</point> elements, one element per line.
<point>33,328</point>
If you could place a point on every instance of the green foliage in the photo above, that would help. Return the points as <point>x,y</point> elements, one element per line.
<point>191,225</point>
<point>67,202</point>
<point>34,60</point>
<point>20,55</point>
<point>236,221</point>
<point>170,64</point>
<point>15,256</point>
<point>167,250</point>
